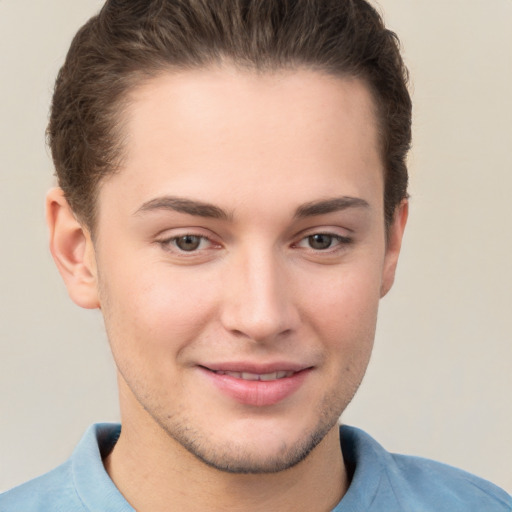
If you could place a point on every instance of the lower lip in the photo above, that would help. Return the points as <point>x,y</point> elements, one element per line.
<point>257,392</point>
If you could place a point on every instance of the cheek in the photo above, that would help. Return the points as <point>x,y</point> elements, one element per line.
<point>342,313</point>
<point>344,301</point>
<point>153,312</point>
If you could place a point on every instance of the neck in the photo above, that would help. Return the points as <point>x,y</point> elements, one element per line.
<point>152,471</point>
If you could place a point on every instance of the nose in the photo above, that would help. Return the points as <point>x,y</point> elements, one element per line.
<point>258,301</point>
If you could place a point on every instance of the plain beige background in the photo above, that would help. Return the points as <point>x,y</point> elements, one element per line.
<point>440,382</point>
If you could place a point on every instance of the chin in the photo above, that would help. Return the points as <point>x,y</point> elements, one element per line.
<point>239,459</point>
<point>257,449</point>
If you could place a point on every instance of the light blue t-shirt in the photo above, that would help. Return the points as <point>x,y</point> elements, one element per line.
<point>380,482</point>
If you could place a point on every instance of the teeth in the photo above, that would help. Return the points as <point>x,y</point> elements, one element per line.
<point>256,376</point>
<point>250,376</point>
<point>269,376</point>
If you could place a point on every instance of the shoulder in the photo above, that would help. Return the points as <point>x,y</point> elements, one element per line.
<point>401,482</point>
<point>81,484</point>
<point>53,491</point>
<point>445,487</point>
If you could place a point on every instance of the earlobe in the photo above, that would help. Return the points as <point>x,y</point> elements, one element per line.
<point>72,249</point>
<point>394,243</point>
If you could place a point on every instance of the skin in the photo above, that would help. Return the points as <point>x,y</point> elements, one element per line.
<point>277,181</point>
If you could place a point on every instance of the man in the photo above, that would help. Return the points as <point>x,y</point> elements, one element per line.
<point>233,198</point>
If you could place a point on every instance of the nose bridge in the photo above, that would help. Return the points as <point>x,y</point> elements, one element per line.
<point>258,302</point>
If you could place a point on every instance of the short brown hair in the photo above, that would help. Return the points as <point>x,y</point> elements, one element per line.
<point>131,40</point>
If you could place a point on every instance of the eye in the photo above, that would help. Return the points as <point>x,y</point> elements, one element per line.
<point>188,243</point>
<point>323,241</point>
<point>320,241</point>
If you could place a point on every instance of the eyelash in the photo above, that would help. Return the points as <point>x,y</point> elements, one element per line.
<point>170,244</point>
<point>341,241</point>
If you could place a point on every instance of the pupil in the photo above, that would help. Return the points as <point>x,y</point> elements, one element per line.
<point>188,242</point>
<point>320,241</point>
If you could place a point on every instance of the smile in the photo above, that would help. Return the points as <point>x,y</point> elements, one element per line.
<point>257,376</point>
<point>259,387</point>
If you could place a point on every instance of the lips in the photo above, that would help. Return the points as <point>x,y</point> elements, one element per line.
<point>257,376</point>
<point>256,386</point>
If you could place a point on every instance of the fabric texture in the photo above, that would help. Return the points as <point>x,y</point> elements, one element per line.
<point>380,482</point>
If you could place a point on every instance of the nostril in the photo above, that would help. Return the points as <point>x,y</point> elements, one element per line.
<point>247,335</point>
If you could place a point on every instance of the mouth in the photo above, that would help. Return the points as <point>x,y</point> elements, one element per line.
<point>257,386</point>
<point>282,374</point>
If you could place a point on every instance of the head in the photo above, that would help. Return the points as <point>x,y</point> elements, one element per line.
<point>233,200</point>
<point>128,43</point>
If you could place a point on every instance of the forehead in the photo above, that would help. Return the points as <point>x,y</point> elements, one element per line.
<point>298,132</point>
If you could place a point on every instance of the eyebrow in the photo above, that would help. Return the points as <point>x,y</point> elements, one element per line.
<point>182,205</point>
<point>325,206</point>
<point>202,209</point>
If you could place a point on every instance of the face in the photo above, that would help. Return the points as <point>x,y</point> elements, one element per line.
<point>239,259</point>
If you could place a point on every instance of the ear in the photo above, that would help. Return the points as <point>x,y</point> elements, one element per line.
<point>72,249</point>
<point>394,243</point>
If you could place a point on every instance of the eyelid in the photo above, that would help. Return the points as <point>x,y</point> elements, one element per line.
<point>166,238</point>
<point>202,241</point>
<point>334,231</point>
<point>343,240</point>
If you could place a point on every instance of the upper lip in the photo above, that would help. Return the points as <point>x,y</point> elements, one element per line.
<point>255,368</point>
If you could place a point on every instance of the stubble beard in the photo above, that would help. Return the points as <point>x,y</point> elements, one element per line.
<point>232,457</point>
